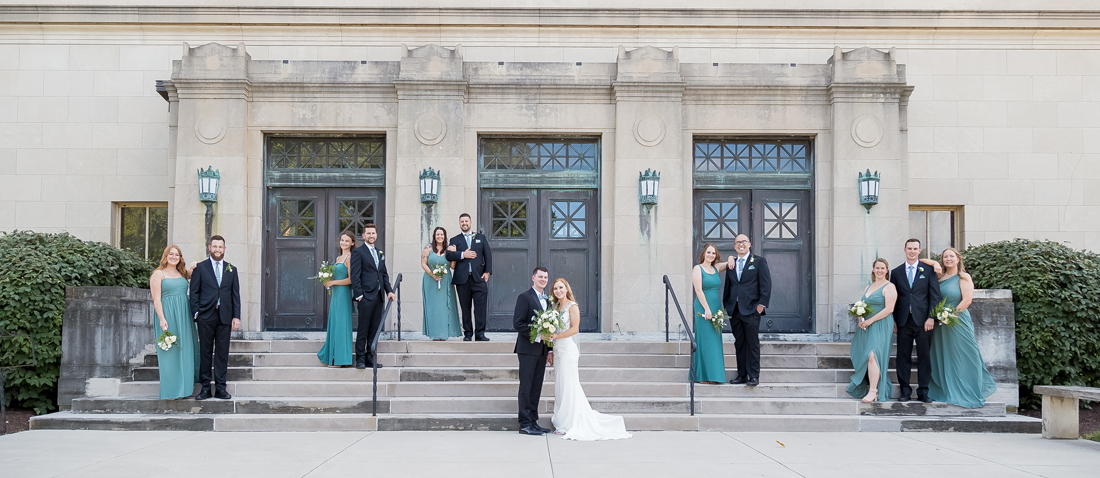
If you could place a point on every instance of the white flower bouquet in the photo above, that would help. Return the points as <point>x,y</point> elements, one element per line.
<point>945,314</point>
<point>325,274</point>
<point>861,310</point>
<point>546,322</point>
<point>439,271</point>
<point>166,340</point>
<point>717,320</point>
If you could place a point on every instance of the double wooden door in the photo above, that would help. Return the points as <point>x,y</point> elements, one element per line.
<point>557,229</point>
<point>778,225</point>
<point>302,228</point>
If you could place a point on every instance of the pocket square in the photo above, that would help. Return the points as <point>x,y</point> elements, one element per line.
<point>921,277</point>
<point>750,268</point>
<point>477,241</point>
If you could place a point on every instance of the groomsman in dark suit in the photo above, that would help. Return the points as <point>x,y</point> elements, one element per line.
<point>533,357</point>
<point>918,294</point>
<point>473,265</point>
<point>370,282</point>
<point>216,299</point>
<point>745,296</point>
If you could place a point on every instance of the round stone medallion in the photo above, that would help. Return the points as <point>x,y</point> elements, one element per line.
<point>867,130</point>
<point>649,130</point>
<point>430,128</point>
<point>210,130</point>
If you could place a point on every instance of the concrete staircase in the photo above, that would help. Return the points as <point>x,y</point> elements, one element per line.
<point>454,385</point>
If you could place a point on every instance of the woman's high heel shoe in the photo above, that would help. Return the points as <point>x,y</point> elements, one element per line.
<point>872,396</point>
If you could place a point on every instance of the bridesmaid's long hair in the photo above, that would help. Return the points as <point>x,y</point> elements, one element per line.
<point>960,267</point>
<point>180,267</point>
<point>351,235</point>
<point>883,261</point>
<point>703,254</point>
<point>437,246</point>
<point>568,290</point>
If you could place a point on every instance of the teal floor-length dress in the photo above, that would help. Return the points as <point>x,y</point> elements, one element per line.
<point>875,339</point>
<point>179,365</point>
<point>959,376</point>
<point>709,360</point>
<point>338,344</point>
<point>440,308</point>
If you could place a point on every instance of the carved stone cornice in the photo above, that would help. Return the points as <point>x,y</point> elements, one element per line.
<point>227,89</point>
<point>324,92</point>
<point>430,90</point>
<point>869,92</point>
<point>538,93</point>
<point>756,95</point>
<point>647,91</point>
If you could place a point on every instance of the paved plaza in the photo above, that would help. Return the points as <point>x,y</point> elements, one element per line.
<point>49,453</point>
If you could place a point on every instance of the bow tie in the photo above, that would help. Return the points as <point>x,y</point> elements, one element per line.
<point>542,297</point>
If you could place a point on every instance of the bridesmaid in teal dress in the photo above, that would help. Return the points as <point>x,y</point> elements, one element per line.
<point>178,366</point>
<point>709,359</point>
<point>871,343</point>
<point>959,376</point>
<point>440,308</point>
<point>337,351</point>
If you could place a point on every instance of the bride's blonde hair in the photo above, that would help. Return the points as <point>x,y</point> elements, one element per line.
<point>568,290</point>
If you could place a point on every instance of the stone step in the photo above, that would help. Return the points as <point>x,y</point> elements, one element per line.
<point>507,422</point>
<point>506,347</point>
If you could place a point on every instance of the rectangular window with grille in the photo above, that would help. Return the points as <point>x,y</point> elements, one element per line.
<point>143,229</point>
<point>937,227</point>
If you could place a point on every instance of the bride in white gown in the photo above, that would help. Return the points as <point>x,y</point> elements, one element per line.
<point>573,417</point>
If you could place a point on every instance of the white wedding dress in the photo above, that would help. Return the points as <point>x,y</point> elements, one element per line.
<point>573,416</point>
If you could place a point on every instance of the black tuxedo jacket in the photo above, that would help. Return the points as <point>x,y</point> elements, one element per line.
<point>754,287</point>
<point>919,299</point>
<point>526,305</point>
<point>205,292</point>
<point>366,278</point>
<point>481,264</point>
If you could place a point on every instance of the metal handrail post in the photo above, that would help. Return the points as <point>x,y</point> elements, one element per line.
<point>374,349</point>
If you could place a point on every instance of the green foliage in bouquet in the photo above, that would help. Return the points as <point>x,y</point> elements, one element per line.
<point>1056,294</point>
<point>35,269</point>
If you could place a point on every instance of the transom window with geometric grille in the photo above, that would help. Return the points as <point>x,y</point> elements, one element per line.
<point>354,214</point>
<point>318,153</point>
<point>720,220</point>
<point>297,217</point>
<point>567,219</point>
<point>753,156</point>
<point>547,155</point>
<point>780,220</point>
<point>510,219</point>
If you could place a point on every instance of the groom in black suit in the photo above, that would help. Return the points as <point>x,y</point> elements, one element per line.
<point>369,280</point>
<point>473,265</point>
<point>216,300</point>
<point>746,294</point>
<point>918,293</point>
<point>533,357</point>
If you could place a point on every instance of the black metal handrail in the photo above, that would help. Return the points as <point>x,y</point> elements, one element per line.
<point>374,343</point>
<point>4,372</point>
<point>691,337</point>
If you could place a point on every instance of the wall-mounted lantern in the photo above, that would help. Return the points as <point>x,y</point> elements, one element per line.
<point>649,182</point>
<point>209,181</point>
<point>429,186</point>
<point>868,189</point>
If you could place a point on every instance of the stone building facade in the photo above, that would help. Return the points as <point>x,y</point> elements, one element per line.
<point>539,119</point>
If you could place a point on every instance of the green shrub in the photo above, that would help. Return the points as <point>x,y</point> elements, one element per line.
<point>1056,294</point>
<point>34,271</point>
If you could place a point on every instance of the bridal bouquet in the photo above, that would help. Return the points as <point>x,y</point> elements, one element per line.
<point>325,273</point>
<point>439,271</point>
<point>945,314</point>
<point>717,320</point>
<point>546,322</point>
<point>166,340</point>
<point>861,310</point>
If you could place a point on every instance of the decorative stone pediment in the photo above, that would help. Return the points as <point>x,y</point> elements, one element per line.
<point>648,64</point>
<point>431,62</point>
<point>212,61</point>
<point>865,65</point>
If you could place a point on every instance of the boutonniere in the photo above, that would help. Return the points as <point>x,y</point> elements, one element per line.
<point>751,259</point>
<point>228,267</point>
<point>381,256</point>
<point>920,269</point>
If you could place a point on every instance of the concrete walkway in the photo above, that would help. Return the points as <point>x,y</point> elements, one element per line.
<point>49,453</point>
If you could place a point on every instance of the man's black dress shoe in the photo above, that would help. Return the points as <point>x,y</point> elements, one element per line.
<point>222,395</point>
<point>203,395</point>
<point>361,362</point>
<point>903,398</point>
<point>739,381</point>
<point>482,339</point>
<point>544,430</point>
<point>752,382</point>
<point>530,430</point>
<point>466,339</point>
<point>925,399</point>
